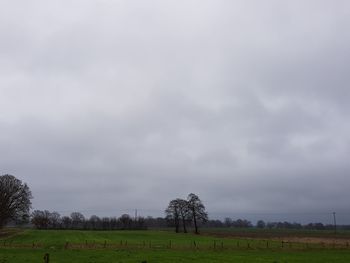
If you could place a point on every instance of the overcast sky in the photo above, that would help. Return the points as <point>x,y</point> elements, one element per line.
<point>108,105</point>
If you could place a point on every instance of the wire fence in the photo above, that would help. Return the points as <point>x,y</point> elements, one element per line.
<point>241,244</point>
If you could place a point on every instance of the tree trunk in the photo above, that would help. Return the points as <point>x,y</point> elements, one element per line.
<point>184,224</point>
<point>176,225</point>
<point>195,222</point>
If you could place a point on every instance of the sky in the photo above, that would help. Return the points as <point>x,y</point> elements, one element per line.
<point>109,106</point>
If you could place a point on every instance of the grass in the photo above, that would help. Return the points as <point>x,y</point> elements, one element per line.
<point>152,246</point>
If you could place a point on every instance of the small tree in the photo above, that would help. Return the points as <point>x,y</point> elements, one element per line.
<point>125,221</point>
<point>14,199</point>
<point>55,219</point>
<point>95,222</point>
<point>77,219</point>
<point>106,223</point>
<point>260,224</point>
<point>66,222</point>
<point>228,222</point>
<point>41,219</point>
<point>197,210</point>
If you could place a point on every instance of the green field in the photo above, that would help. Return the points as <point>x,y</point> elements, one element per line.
<point>155,246</point>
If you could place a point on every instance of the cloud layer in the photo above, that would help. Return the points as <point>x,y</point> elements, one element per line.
<point>107,106</point>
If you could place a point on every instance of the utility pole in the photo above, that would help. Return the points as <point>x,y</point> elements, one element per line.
<point>135,215</point>
<point>335,223</point>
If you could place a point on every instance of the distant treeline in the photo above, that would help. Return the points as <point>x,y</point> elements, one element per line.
<point>243,223</point>
<point>53,220</point>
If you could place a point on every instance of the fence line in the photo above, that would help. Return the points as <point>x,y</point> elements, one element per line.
<point>242,244</point>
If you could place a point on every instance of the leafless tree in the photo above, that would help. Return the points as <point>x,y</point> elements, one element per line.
<point>197,210</point>
<point>45,219</point>
<point>173,214</point>
<point>55,219</point>
<point>40,219</point>
<point>95,222</point>
<point>184,212</point>
<point>125,221</point>
<point>14,199</point>
<point>106,222</point>
<point>78,219</point>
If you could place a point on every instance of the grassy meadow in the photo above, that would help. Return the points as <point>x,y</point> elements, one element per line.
<point>157,246</point>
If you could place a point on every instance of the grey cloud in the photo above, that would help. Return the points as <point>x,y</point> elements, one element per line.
<point>121,105</point>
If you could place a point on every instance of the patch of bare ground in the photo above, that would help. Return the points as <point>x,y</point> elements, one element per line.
<point>286,237</point>
<point>318,240</point>
<point>9,232</point>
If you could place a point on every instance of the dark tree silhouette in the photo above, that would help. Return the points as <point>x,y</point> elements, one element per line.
<point>14,199</point>
<point>55,219</point>
<point>40,219</point>
<point>260,224</point>
<point>78,219</point>
<point>173,214</point>
<point>184,212</point>
<point>66,222</point>
<point>197,210</point>
<point>95,222</point>
<point>125,221</point>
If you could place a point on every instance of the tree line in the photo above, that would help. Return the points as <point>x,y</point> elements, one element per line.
<point>15,205</point>
<point>181,212</point>
<point>53,220</point>
<point>243,223</point>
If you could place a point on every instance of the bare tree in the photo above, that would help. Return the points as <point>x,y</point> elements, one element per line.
<point>260,224</point>
<point>14,199</point>
<point>66,222</point>
<point>125,221</point>
<point>184,212</point>
<point>197,210</point>
<point>228,222</point>
<point>41,219</point>
<point>55,219</point>
<point>95,222</point>
<point>78,219</point>
<point>114,222</point>
<point>173,214</point>
<point>106,223</point>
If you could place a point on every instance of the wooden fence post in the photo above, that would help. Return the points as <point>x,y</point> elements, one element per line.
<point>46,258</point>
